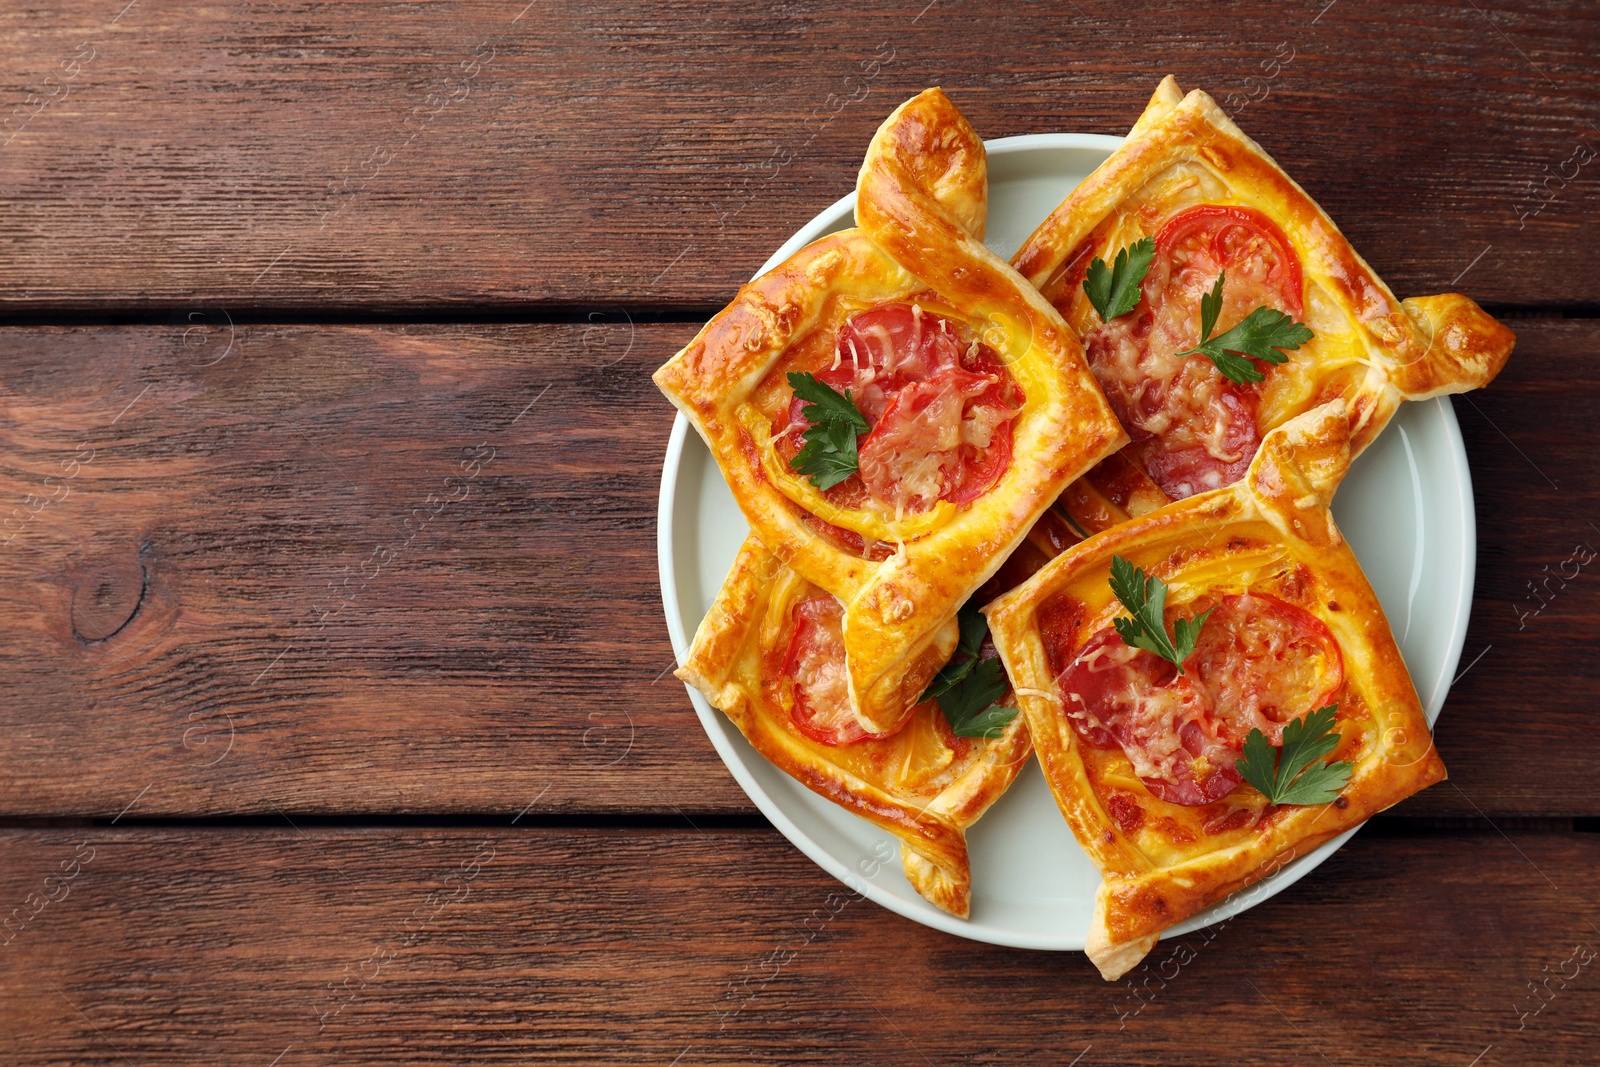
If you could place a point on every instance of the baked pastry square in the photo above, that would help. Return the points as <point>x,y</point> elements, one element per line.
<point>770,655</point>
<point>1143,759</point>
<point>974,403</point>
<point>1214,203</point>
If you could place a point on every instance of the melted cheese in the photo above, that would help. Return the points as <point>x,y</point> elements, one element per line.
<point>1254,668</point>
<point>979,423</point>
<point>1152,724</point>
<point>1148,721</point>
<point>912,456</point>
<point>1135,357</point>
<point>1158,393</point>
<point>936,415</point>
<point>818,669</point>
<point>1259,671</point>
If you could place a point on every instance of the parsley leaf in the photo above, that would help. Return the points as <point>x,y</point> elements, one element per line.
<point>974,627</point>
<point>1211,307</point>
<point>829,455</point>
<point>1145,597</point>
<point>970,707</point>
<point>1261,334</point>
<point>1114,290</point>
<point>968,687</point>
<point>1277,775</point>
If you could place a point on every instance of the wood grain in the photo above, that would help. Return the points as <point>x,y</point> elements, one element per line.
<point>494,946</point>
<point>348,566</point>
<point>1511,731</point>
<point>302,154</point>
<point>236,596</point>
<point>318,573</point>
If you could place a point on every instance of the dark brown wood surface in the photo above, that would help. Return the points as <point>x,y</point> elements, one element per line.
<point>301,153</point>
<point>278,577</point>
<point>408,569</point>
<point>497,946</point>
<point>335,716</point>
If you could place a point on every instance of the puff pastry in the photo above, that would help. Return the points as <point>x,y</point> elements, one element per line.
<point>983,408</point>
<point>1140,758</point>
<point>1213,200</point>
<point>768,655</point>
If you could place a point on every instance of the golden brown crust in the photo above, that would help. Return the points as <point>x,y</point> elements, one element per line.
<point>1370,349</point>
<point>1114,960</point>
<point>1461,347</point>
<point>921,199</point>
<point>922,157</point>
<point>1272,525</point>
<point>730,663</point>
<point>1298,469</point>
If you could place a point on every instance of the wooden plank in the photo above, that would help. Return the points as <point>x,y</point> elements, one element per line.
<point>397,570</point>
<point>301,153</point>
<point>1507,732</point>
<point>236,595</point>
<point>494,946</point>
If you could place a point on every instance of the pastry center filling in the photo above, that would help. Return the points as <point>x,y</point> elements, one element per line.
<point>940,406</point>
<point>1193,429</point>
<point>1260,662</point>
<point>923,751</point>
<point>815,665</point>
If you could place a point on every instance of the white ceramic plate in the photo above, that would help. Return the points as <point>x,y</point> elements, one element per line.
<point>1406,508</point>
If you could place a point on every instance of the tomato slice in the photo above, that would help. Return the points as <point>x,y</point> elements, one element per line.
<point>815,664</point>
<point>1259,663</point>
<point>1193,428</point>
<point>981,467</point>
<point>985,429</point>
<point>848,540</point>
<point>940,406</point>
<point>1265,662</point>
<point>1199,243</point>
<point>882,349</point>
<point>913,457</point>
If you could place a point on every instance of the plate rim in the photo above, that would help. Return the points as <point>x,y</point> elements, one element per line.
<point>716,725</point>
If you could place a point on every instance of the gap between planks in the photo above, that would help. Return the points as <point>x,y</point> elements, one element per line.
<point>1380,825</point>
<point>534,315</point>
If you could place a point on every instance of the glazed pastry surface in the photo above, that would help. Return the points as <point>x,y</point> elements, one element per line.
<point>757,657</point>
<point>1295,626</point>
<point>908,539</point>
<point>1213,201</point>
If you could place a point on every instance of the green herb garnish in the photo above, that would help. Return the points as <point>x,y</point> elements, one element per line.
<point>1145,597</point>
<point>974,627</point>
<point>1114,290</point>
<point>968,687</point>
<point>829,455</point>
<point>1261,334</point>
<point>970,707</point>
<point>1277,775</point>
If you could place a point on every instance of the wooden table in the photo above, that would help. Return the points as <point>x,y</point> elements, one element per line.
<point>288,779</point>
